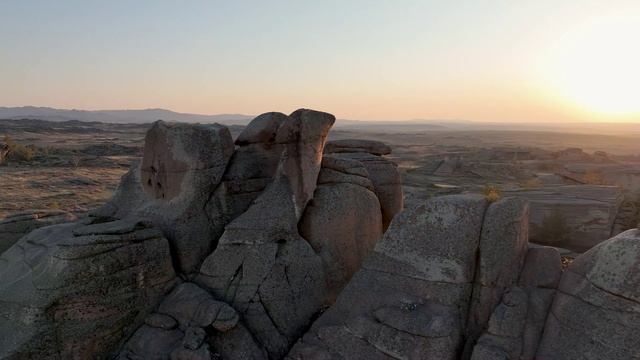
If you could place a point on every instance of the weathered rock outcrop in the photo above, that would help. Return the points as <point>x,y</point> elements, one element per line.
<point>262,266</point>
<point>596,312</point>
<point>428,287</point>
<point>250,170</point>
<point>501,252</point>
<point>516,324</point>
<point>77,291</point>
<point>15,226</point>
<point>181,166</point>
<point>343,222</point>
<point>386,180</point>
<point>409,298</point>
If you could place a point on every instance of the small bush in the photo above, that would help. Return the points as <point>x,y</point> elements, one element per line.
<point>19,152</point>
<point>492,193</point>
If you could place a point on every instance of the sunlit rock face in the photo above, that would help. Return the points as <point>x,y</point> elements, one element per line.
<point>343,222</point>
<point>383,173</point>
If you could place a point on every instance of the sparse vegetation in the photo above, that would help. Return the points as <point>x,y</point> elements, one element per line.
<point>492,193</point>
<point>19,152</point>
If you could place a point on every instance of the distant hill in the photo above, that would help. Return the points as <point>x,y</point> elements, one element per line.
<point>399,126</point>
<point>117,116</point>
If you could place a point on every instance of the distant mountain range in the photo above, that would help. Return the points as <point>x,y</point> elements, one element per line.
<point>150,115</point>
<point>116,116</point>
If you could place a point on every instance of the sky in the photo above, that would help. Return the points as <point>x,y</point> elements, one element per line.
<point>505,61</point>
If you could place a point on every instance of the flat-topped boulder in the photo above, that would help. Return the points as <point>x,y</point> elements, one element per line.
<point>357,145</point>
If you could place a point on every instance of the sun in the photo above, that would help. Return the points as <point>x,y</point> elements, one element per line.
<point>597,67</point>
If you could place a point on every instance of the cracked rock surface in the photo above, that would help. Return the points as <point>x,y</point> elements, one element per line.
<point>78,290</point>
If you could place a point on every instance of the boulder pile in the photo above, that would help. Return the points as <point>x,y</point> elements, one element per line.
<point>287,246</point>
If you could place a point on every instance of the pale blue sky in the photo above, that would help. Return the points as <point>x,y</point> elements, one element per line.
<point>484,60</point>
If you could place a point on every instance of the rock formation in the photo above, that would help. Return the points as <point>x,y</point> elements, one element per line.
<point>596,310</point>
<point>181,166</point>
<point>343,222</point>
<point>262,266</point>
<point>286,246</point>
<point>77,291</point>
<point>383,173</point>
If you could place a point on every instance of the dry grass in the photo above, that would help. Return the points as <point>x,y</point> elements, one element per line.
<point>492,193</point>
<point>65,188</point>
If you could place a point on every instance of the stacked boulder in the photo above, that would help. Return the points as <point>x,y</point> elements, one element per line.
<point>382,172</point>
<point>289,246</point>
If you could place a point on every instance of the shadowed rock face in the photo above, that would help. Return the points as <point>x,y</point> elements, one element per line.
<point>179,327</point>
<point>77,291</point>
<point>181,167</point>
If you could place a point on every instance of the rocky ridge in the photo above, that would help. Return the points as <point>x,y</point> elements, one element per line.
<point>289,246</point>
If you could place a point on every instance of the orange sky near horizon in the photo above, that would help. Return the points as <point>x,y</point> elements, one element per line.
<point>529,61</point>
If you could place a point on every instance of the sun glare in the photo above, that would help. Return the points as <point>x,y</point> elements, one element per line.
<point>597,67</point>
